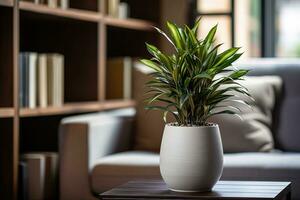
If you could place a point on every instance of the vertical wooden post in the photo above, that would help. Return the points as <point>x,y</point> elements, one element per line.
<point>15,139</point>
<point>102,53</point>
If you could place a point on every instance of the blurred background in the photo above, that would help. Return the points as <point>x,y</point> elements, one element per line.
<point>264,28</point>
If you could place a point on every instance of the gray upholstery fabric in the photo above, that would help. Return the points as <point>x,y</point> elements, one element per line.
<point>84,139</point>
<point>286,116</point>
<point>278,166</point>
<point>253,132</point>
<point>120,168</point>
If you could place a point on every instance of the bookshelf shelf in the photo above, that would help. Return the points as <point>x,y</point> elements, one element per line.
<point>6,112</point>
<point>130,23</point>
<point>72,108</point>
<point>7,3</point>
<point>78,14</point>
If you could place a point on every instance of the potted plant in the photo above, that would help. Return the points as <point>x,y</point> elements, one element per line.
<point>192,84</point>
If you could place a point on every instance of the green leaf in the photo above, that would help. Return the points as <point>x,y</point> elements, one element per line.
<point>175,34</point>
<point>165,35</point>
<point>151,64</point>
<point>203,75</point>
<point>211,35</point>
<point>228,112</point>
<point>239,73</point>
<point>226,54</point>
<point>196,26</point>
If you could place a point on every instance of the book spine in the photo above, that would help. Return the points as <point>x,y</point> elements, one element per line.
<point>61,80</point>
<point>113,8</point>
<point>64,4</point>
<point>36,175</point>
<point>32,80</point>
<point>127,78</point>
<point>42,81</point>
<point>26,79</point>
<point>56,79</point>
<point>123,12</point>
<point>52,3</point>
<point>50,79</point>
<point>21,80</point>
<point>23,181</point>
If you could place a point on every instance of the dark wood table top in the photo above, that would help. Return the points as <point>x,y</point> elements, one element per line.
<point>157,189</point>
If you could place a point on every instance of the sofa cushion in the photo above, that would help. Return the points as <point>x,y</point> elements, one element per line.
<point>120,168</point>
<point>286,120</point>
<point>259,166</point>
<point>253,132</point>
<point>116,169</point>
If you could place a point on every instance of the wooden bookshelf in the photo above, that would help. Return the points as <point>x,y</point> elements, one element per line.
<point>75,108</point>
<point>87,37</point>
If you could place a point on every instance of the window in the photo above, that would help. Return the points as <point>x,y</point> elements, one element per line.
<point>214,12</point>
<point>247,15</point>
<point>287,34</point>
<point>238,22</point>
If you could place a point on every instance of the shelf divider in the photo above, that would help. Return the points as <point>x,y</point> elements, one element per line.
<point>6,112</point>
<point>130,23</point>
<point>68,13</point>
<point>73,108</point>
<point>7,3</point>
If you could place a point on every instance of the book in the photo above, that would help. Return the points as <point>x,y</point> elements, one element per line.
<point>52,3</point>
<point>36,175</point>
<point>113,8</point>
<point>119,75</point>
<point>61,75</point>
<point>50,79</point>
<point>51,175</point>
<point>64,4</point>
<point>23,181</point>
<point>123,10</point>
<point>42,81</point>
<point>32,67</point>
<point>22,80</point>
<point>55,79</point>
<point>33,1</point>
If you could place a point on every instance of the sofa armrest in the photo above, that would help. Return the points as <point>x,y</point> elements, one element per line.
<point>85,138</point>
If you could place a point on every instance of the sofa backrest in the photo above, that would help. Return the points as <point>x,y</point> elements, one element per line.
<point>286,118</point>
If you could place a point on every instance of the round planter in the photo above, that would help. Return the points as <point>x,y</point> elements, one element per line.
<point>191,158</point>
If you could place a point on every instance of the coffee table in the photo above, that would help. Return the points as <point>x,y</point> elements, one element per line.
<point>157,189</point>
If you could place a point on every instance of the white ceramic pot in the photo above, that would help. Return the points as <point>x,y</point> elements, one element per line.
<point>191,158</point>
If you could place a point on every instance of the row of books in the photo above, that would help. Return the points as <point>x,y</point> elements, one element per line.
<point>41,81</point>
<point>118,9</point>
<point>63,4</point>
<point>38,173</point>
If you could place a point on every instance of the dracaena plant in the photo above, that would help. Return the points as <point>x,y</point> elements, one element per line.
<point>188,82</point>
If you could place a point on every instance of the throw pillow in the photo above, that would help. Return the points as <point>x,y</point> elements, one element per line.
<point>253,132</point>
